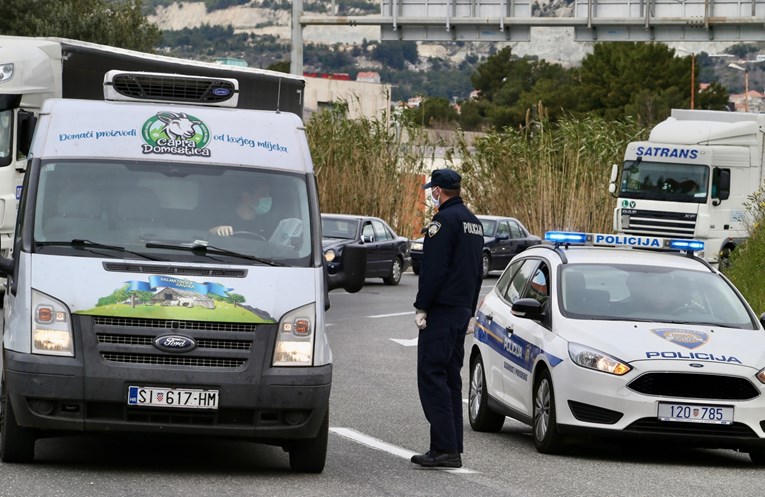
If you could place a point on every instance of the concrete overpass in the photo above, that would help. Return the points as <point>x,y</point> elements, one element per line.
<point>512,20</point>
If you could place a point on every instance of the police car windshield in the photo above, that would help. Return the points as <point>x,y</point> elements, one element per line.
<point>650,293</point>
<point>642,179</point>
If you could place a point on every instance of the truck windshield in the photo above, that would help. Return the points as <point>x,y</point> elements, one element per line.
<point>150,209</point>
<point>664,181</point>
<point>6,137</point>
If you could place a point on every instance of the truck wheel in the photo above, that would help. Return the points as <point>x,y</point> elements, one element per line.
<point>309,456</point>
<point>395,273</point>
<point>481,417</point>
<point>17,444</point>
<point>545,426</point>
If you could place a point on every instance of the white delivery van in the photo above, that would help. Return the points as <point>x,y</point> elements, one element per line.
<point>124,312</point>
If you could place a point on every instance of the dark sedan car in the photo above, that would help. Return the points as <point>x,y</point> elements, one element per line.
<point>503,238</point>
<point>387,253</point>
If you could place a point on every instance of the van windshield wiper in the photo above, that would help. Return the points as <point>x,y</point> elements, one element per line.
<point>201,247</point>
<point>91,245</point>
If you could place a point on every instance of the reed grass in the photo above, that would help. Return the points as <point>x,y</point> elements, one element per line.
<point>747,262</point>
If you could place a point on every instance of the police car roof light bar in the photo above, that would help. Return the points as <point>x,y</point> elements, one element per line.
<point>686,245</point>
<point>565,237</point>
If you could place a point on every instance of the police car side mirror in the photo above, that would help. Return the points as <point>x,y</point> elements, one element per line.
<point>527,308</point>
<point>762,319</point>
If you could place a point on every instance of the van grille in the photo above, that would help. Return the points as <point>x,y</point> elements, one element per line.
<point>122,267</point>
<point>202,343</point>
<point>167,360</point>
<point>173,325</point>
<point>173,88</point>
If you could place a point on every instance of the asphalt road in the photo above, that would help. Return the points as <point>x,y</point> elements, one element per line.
<point>376,424</point>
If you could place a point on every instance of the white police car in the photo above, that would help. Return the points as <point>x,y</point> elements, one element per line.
<point>611,341</point>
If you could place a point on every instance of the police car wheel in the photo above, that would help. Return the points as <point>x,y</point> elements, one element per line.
<point>309,456</point>
<point>17,444</point>
<point>395,273</point>
<point>481,417</point>
<point>547,440</point>
<point>486,264</point>
<point>757,456</point>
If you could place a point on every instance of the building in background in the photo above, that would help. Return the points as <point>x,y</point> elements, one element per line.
<point>363,99</point>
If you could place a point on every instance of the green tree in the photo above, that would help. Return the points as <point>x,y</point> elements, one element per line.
<point>434,112</point>
<point>642,81</point>
<point>118,23</point>
<point>713,97</point>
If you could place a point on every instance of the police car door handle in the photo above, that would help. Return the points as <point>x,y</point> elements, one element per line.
<point>509,329</point>
<point>489,317</point>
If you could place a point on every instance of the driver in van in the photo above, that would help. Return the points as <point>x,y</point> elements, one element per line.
<point>250,214</point>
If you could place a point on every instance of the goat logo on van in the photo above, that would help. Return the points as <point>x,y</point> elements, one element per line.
<point>167,297</point>
<point>175,133</point>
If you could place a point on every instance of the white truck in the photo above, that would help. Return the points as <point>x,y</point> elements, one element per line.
<point>126,312</point>
<point>35,69</point>
<point>691,179</point>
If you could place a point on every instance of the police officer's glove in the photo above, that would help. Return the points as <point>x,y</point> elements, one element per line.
<point>419,319</point>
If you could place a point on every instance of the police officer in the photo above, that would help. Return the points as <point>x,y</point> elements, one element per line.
<point>449,284</point>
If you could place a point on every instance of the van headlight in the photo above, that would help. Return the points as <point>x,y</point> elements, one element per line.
<point>295,337</point>
<point>597,360</point>
<point>51,326</point>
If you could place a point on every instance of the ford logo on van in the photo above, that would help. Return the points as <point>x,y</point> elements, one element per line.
<point>175,343</point>
<point>221,92</point>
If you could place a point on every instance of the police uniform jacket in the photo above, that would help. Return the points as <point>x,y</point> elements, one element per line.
<point>451,269</point>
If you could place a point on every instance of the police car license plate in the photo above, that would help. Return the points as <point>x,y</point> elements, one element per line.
<point>187,398</point>
<point>696,413</point>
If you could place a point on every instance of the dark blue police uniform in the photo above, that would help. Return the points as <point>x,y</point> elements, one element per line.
<point>449,285</point>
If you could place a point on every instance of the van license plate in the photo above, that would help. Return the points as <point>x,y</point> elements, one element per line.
<point>696,413</point>
<point>187,398</point>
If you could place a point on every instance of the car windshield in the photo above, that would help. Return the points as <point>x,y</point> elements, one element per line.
<point>664,181</point>
<point>648,293</point>
<point>336,227</point>
<point>151,209</point>
<point>488,227</point>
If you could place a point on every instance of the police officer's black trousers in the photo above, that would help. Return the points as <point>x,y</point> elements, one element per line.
<point>440,354</point>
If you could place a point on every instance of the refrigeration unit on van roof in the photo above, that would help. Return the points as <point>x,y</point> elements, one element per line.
<point>170,88</point>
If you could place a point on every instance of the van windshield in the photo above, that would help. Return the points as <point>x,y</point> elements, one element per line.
<point>153,209</point>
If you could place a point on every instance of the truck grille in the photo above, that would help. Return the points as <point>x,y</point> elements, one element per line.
<point>696,386</point>
<point>658,223</point>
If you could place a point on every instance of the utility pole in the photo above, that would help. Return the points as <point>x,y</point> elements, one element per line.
<point>296,51</point>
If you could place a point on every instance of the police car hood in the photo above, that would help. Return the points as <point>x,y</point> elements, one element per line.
<point>631,341</point>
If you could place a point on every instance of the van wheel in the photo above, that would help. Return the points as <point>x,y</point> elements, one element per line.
<point>395,273</point>
<point>309,456</point>
<point>17,444</point>
<point>547,440</point>
<point>485,264</point>
<point>481,417</point>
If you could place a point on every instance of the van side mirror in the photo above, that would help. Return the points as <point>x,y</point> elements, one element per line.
<point>26,129</point>
<point>353,273</point>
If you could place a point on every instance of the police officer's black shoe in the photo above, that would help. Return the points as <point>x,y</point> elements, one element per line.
<point>434,458</point>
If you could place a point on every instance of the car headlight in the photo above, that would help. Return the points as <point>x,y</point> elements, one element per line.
<point>761,375</point>
<point>329,255</point>
<point>295,337</point>
<point>597,360</point>
<point>416,246</point>
<point>51,329</point>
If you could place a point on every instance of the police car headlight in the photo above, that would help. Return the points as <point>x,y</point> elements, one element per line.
<point>761,375</point>
<point>295,337</point>
<point>416,246</point>
<point>329,255</point>
<point>597,360</point>
<point>51,329</point>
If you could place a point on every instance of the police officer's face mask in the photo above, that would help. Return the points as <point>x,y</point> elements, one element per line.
<point>436,200</point>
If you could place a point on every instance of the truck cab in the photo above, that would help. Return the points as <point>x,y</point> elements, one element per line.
<point>691,179</point>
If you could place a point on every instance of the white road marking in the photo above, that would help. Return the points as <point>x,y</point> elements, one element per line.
<point>390,315</point>
<point>378,444</point>
<point>405,343</point>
